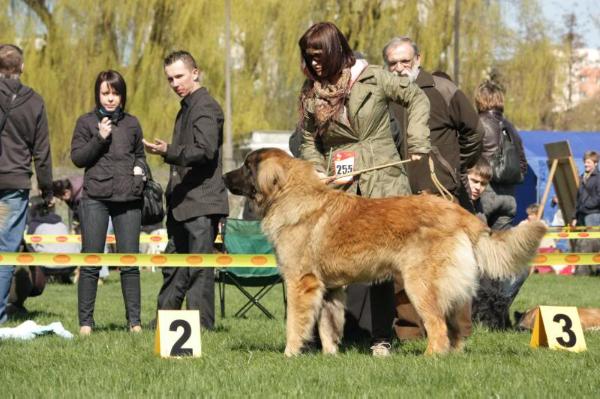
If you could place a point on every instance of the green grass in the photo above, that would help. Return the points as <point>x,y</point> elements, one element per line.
<point>244,357</point>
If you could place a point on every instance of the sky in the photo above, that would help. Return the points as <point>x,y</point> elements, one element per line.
<point>584,9</point>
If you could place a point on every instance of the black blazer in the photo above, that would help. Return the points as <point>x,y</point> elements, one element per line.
<point>196,186</point>
<point>109,162</point>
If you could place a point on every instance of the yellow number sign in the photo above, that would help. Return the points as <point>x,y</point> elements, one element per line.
<point>558,327</point>
<point>178,333</point>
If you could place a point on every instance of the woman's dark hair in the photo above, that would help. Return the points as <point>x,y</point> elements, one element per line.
<point>115,81</point>
<point>60,186</point>
<point>336,55</point>
<point>489,96</point>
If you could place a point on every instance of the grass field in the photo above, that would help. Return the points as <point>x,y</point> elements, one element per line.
<point>244,357</point>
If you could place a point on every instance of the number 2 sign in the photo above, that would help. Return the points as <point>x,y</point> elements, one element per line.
<point>558,327</point>
<point>178,333</point>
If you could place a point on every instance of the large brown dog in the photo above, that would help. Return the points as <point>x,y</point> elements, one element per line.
<point>325,239</point>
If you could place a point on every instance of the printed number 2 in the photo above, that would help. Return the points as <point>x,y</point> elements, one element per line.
<point>570,342</point>
<point>177,349</point>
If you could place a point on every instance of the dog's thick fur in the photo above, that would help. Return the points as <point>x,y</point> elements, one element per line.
<point>325,239</point>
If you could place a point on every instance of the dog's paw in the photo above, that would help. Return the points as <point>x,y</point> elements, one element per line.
<point>331,350</point>
<point>290,352</point>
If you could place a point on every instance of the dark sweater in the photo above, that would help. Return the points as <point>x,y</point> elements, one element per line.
<point>24,138</point>
<point>196,186</point>
<point>588,195</point>
<point>109,162</point>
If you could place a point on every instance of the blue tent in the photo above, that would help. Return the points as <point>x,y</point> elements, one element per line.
<point>532,189</point>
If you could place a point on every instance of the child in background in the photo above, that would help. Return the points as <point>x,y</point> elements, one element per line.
<point>478,177</point>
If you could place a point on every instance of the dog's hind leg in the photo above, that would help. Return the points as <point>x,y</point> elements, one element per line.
<point>331,320</point>
<point>459,326</point>
<point>305,298</point>
<point>425,299</point>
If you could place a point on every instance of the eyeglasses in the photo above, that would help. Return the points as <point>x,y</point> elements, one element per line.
<point>403,62</point>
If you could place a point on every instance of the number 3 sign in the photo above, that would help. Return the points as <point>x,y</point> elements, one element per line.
<point>177,333</point>
<point>558,327</point>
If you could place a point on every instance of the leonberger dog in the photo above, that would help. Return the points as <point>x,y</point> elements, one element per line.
<point>325,239</point>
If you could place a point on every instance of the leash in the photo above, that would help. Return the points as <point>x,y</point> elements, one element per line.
<point>358,172</point>
<point>444,193</point>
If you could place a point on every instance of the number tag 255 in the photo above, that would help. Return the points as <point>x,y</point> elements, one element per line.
<point>343,163</point>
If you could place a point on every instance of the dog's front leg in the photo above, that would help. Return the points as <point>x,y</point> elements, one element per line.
<point>305,298</point>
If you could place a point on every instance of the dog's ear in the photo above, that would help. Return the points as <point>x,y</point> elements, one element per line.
<point>271,177</point>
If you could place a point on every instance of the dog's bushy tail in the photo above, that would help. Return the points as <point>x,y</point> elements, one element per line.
<point>503,254</point>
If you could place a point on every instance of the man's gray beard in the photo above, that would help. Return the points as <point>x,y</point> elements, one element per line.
<point>412,73</point>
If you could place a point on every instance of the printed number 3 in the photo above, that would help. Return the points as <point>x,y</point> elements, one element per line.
<point>177,349</point>
<point>570,342</point>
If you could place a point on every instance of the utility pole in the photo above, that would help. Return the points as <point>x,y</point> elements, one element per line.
<point>456,41</point>
<point>228,147</point>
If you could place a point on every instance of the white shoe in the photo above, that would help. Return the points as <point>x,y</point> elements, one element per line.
<point>381,349</point>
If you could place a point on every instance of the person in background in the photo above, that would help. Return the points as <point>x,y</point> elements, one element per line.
<point>70,190</point>
<point>455,134</point>
<point>107,142</point>
<point>587,207</point>
<point>23,139</point>
<point>346,127</point>
<point>479,177</point>
<point>498,201</point>
<point>196,196</point>
<point>43,220</point>
<point>499,204</point>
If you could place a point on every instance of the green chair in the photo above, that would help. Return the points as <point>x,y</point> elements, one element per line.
<point>246,237</point>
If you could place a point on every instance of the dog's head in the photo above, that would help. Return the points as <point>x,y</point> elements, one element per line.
<point>262,175</point>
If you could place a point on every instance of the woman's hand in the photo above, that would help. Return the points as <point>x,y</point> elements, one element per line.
<point>105,127</point>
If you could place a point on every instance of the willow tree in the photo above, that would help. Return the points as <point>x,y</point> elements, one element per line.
<point>68,43</point>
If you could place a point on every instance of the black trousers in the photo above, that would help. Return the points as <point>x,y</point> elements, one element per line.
<point>126,218</point>
<point>191,236</point>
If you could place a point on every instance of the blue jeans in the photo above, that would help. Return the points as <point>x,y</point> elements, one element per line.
<point>126,218</point>
<point>11,234</point>
<point>593,219</point>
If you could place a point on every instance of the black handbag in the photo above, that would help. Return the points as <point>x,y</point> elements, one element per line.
<point>505,162</point>
<point>153,211</point>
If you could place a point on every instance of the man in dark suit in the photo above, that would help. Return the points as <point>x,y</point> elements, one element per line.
<point>196,195</point>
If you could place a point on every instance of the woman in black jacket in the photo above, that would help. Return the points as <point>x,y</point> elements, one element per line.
<point>107,142</point>
<point>494,297</point>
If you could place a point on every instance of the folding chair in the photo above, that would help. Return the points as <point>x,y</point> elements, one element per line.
<point>246,237</point>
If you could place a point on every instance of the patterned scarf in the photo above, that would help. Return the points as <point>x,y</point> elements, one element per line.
<point>329,99</point>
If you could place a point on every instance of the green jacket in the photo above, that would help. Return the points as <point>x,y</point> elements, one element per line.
<point>369,135</point>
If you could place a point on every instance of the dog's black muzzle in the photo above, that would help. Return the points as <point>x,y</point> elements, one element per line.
<point>239,183</point>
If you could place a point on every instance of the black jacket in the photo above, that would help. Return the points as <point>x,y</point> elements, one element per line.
<point>196,186</point>
<point>588,195</point>
<point>25,137</point>
<point>109,162</point>
<point>492,122</point>
<point>455,134</point>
